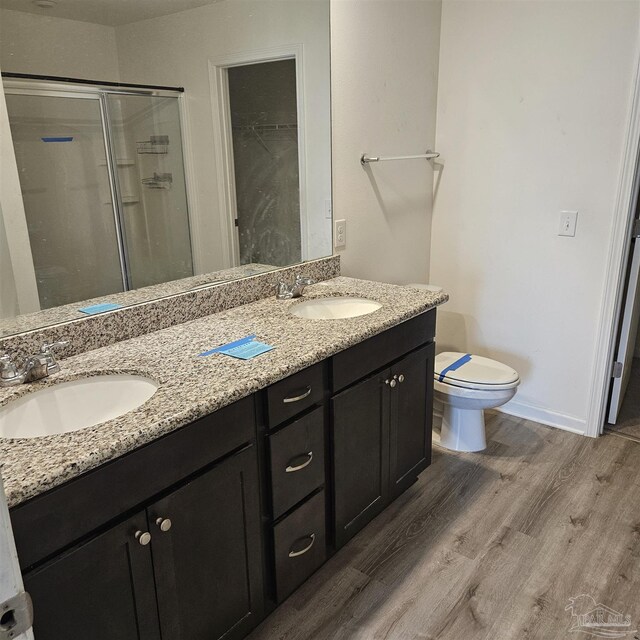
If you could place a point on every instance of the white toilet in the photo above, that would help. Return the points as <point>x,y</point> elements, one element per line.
<point>464,386</point>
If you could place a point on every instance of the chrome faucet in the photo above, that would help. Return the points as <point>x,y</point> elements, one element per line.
<point>33,368</point>
<point>286,292</point>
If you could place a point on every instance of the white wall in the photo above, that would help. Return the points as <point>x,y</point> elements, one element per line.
<point>384,77</point>
<point>8,293</point>
<point>42,45</point>
<point>533,106</point>
<point>18,288</point>
<point>175,50</point>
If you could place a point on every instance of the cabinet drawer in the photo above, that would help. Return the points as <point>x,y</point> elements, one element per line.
<point>363,359</point>
<point>300,545</point>
<point>297,461</point>
<point>294,394</point>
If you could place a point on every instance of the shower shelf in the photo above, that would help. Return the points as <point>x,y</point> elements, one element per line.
<point>126,200</point>
<point>121,162</point>
<point>158,181</point>
<point>155,145</point>
<point>265,127</point>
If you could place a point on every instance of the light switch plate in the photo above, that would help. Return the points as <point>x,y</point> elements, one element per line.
<point>568,222</point>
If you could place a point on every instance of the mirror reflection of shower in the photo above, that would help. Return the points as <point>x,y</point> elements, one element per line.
<point>103,185</point>
<point>264,124</point>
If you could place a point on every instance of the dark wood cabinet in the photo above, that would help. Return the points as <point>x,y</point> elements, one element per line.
<point>360,441</point>
<point>57,519</point>
<point>299,545</point>
<point>102,589</point>
<point>187,568</point>
<point>291,396</point>
<point>208,564</point>
<point>411,405</point>
<point>198,534</point>
<point>381,438</point>
<point>296,461</point>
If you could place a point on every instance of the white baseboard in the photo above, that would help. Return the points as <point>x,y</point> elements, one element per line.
<point>545,416</point>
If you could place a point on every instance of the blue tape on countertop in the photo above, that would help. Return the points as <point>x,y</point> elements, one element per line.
<point>100,308</point>
<point>58,139</point>
<point>454,365</point>
<point>230,345</point>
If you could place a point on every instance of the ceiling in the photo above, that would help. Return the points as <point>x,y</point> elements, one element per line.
<point>107,12</point>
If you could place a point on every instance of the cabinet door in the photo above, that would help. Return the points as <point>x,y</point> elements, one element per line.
<point>102,589</point>
<point>411,417</point>
<point>208,563</point>
<point>360,439</point>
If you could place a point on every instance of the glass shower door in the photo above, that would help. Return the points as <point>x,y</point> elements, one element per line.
<point>146,144</point>
<point>62,161</point>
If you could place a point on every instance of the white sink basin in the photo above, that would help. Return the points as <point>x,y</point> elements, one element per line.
<point>74,405</point>
<point>334,308</point>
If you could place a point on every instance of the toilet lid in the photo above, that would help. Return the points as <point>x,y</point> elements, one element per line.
<point>468,370</point>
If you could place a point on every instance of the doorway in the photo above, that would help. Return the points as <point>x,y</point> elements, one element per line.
<point>623,410</point>
<point>264,130</point>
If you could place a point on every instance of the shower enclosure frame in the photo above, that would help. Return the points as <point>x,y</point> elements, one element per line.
<point>49,86</point>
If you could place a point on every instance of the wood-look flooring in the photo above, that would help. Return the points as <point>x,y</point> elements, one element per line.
<point>486,546</point>
<point>628,423</point>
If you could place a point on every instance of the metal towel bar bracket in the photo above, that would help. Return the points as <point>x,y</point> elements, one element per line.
<point>429,155</point>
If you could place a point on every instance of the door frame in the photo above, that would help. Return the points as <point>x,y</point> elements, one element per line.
<point>617,259</point>
<point>223,140</point>
<point>11,584</point>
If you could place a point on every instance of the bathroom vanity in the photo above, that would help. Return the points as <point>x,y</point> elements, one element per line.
<point>204,528</point>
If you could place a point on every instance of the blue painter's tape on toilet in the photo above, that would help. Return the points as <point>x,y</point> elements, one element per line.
<point>454,365</point>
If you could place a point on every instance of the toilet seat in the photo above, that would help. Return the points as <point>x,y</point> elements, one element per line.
<point>465,385</point>
<point>469,371</point>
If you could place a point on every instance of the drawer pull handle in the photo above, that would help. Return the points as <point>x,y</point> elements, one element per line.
<point>295,554</point>
<point>302,396</point>
<point>298,467</point>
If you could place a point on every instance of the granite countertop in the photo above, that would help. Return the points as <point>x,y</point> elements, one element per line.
<point>68,312</point>
<point>193,386</point>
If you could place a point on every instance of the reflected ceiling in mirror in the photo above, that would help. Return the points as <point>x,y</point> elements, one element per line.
<point>160,146</point>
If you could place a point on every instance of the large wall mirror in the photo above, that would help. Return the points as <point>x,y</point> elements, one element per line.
<point>160,145</point>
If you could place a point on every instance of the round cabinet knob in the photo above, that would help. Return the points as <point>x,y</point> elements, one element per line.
<point>143,538</point>
<point>164,524</point>
<point>400,378</point>
<point>393,384</point>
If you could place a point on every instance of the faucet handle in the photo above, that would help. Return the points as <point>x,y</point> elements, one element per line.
<point>48,347</point>
<point>47,356</point>
<point>6,361</point>
<point>10,373</point>
<point>283,291</point>
<point>304,280</point>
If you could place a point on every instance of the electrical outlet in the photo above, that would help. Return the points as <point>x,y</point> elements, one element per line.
<point>340,234</point>
<point>568,222</point>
